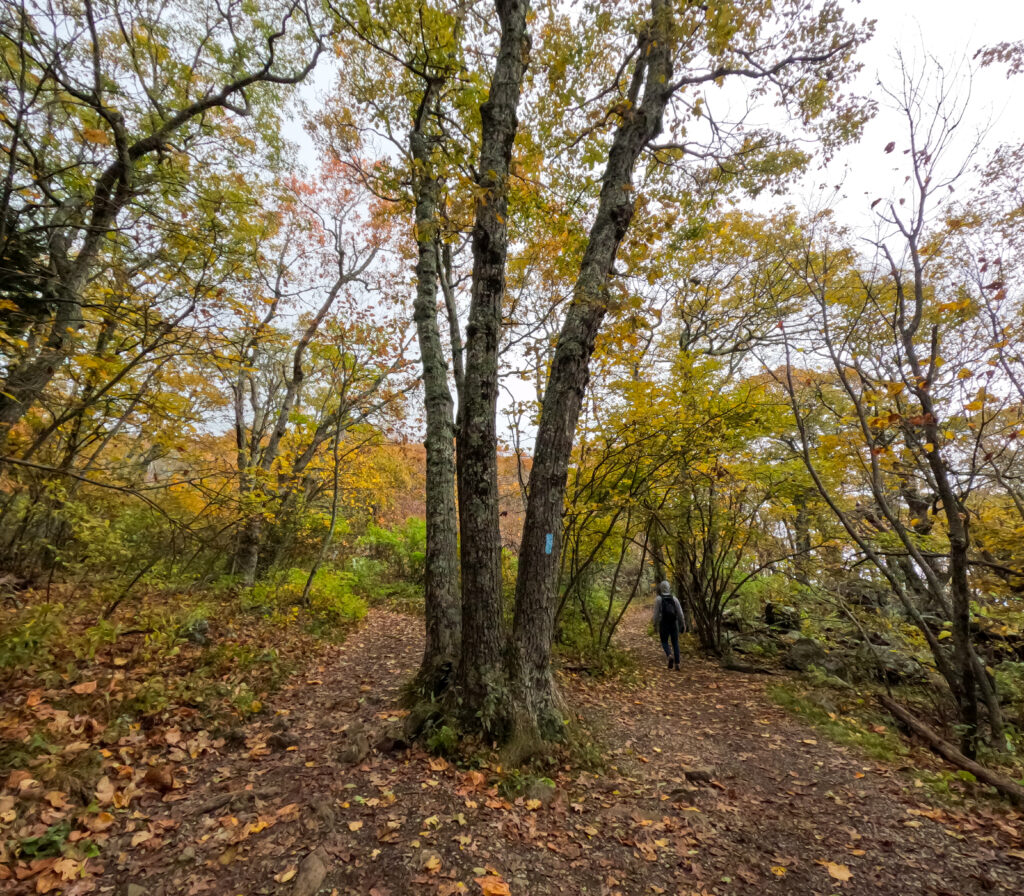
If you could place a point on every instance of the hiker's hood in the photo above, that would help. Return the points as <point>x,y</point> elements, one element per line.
<point>665,588</point>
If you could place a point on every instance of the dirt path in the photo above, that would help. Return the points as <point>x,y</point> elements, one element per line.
<point>785,813</point>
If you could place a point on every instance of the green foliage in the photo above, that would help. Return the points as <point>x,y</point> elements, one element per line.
<point>332,604</point>
<point>31,636</point>
<point>402,550</point>
<point>442,740</point>
<point>1010,681</point>
<point>47,845</point>
<point>859,726</point>
<point>515,782</point>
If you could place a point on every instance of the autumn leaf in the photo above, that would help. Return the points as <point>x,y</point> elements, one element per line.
<point>85,687</point>
<point>492,885</point>
<point>94,135</point>
<point>105,791</point>
<point>57,799</point>
<point>835,870</point>
<point>99,822</point>
<point>67,868</point>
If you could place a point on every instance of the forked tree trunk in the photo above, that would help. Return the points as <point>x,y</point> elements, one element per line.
<point>481,672</point>
<point>535,697</point>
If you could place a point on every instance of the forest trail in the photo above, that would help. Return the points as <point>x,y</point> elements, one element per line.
<point>290,805</point>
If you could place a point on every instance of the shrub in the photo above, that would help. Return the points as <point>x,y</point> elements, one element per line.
<point>402,550</point>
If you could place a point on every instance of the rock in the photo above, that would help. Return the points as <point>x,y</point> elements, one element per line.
<point>760,644</point>
<point>731,664</point>
<point>863,593</point>
<point>732,620</point>
<point>282,741</point>
<point>312,871</point>
<point>136,890</point>
<point>781,618</point>
<point>699,774</point>
<point>323,809</point>
<point>545,791</point>
<point>356,746</point>
<point>392,739</point>
<point>836,665</point>
<point>419,716</point>
<point>187,855</point>
<point>886,664</point>
<point>804,654</point>
<point>197,632</point>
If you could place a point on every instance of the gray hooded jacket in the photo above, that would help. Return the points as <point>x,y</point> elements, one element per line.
<point>665,593</point>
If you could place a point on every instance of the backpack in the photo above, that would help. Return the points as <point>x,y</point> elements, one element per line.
<point>668,609</point>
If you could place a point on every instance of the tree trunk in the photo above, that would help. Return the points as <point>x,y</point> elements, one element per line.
<point>533,687</point>
<point>481,675</point>
<point>247,554</point>
<point>441,596</point>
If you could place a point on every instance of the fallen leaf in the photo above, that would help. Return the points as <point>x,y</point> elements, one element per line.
<point>835,870</point>
<point>286,876</point>
<point>67,868</point>
<point>141,837</point>
<point>105,791</point>
<point>85,687</point>
<point>99,822</point>
<point>57,799</point>
<point>354,825</point>
<point>492,885</point>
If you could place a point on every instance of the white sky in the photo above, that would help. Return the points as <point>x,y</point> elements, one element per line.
<point>951,31</point>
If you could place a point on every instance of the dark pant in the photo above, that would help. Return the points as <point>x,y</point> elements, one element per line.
<point>669,630</point>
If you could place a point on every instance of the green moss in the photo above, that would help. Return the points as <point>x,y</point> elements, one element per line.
<point>859,728</point>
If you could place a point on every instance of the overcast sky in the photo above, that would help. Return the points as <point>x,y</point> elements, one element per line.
<point>952,32</point>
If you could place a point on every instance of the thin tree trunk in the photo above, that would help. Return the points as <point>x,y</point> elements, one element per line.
<point>533,687</point>
<point>441,590</point>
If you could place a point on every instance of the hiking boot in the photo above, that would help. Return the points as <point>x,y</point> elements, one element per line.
<point>670,661</point>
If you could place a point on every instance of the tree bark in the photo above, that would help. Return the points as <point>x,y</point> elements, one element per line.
<point>441,595</point>
<point>481,675</point>
<point>533,687</point>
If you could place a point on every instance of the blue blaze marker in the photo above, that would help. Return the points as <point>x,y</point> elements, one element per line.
<point>549,543</point>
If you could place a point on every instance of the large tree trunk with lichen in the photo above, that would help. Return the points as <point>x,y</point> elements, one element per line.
<point>441,590</point>
<point>481,672</point>
<point>535,697</point>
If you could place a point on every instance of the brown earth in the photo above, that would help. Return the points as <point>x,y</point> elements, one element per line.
<point>289,805</point>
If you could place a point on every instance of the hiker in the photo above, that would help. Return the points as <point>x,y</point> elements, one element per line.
<point>668,619</point>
